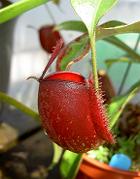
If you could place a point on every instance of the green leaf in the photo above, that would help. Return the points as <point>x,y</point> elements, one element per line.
<point>56,156</point>
<point>112,23</point>
<point>102,33</point>
<point>73,52</point>
<point>18,8</point>
<point>118,104</point>
<point>72,25</point>
<point>11,101</point>
<point>91,11</point>
<point>110,62</point>
<point>57,153</point>
<point>78,48</point>
<point>120,44</point>
<point>70,165</point>
<point>80,26</point>
<point>105,30</point>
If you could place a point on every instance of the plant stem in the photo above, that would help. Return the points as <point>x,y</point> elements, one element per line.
<point>7,99</point>
<point>50,14</point>
<point>18,8</point>
<point>94,63</point>
<point>125,77</point>
<point>128,68</point>
<point>61,157</point>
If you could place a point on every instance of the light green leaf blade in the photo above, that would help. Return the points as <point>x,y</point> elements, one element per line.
<point>72,25</point>
<point>70,165</point>
<point>13,102</point>
<point>91,11</point>
<point>57,153</point>
<point>18,8</point>
<point>103,32</point>
<point>112,23</point>
<point>118,104</point>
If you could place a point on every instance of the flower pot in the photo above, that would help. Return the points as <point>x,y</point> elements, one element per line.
<point>93,169</point>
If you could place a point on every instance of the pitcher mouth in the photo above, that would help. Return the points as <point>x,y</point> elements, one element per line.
<point>66,75</point>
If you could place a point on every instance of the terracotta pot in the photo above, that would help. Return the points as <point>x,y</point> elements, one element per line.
<point>93,169</point>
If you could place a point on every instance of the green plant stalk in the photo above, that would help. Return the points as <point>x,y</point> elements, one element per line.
<point>7,99</point>
<point>18,8</point>
<point>94,62</point>
<point>112,124</point>
<point>50,14</point>
<point>79,161</point>
<point>128,67</point>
